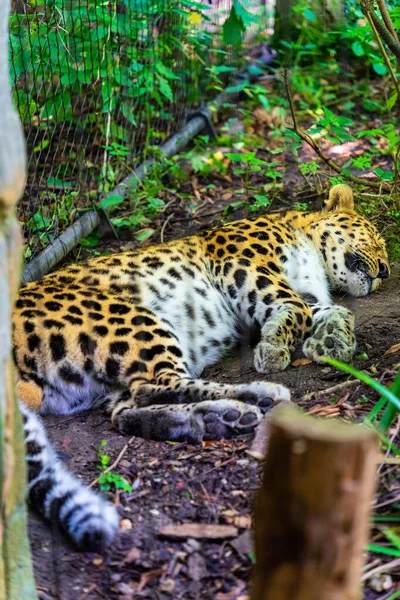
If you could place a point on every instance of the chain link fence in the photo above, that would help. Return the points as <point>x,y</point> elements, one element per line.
<point>97,85</point>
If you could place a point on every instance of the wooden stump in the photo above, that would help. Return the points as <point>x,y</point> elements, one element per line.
<point>313,509</point>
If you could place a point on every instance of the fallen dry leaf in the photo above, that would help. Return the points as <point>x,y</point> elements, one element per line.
<point>198,531</point>
<point>301,362</point>
<point>393,350</point>
<point>242,522</point>
<point>145,578</point>
<point>132,556</point>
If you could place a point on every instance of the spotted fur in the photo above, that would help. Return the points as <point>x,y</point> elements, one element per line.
<point>84,516</point>
<point>135,330</point>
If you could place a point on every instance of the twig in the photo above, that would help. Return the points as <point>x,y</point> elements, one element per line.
<point>313,144</point>
<point>388,502</point>
<point>389,66</point>
<point>167,220</point>
<point>388,21</point>
<point>384,567</point>
<point>385,459</point>
<point>116,461</point>
<point>339,387</point>
<point>290,99</point>
<point>393,43</point>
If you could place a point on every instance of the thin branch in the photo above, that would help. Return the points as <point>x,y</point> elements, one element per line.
<point>290,99</point>
<point>167,220</point>
<point>386,17</point>
<point>380,185</point>
<point>392,74</point>
<point>384,567</point>
<point>393,43</point>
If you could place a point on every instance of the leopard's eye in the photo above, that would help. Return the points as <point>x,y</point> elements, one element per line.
<point>355,262</point>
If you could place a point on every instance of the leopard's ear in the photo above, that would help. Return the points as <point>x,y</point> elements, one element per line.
<point>340,199</point>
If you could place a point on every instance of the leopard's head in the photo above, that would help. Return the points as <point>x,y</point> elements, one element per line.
<point>354,253</point>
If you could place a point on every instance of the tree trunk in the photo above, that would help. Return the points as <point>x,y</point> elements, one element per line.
<point>16,576</point>
<point>313,509</point>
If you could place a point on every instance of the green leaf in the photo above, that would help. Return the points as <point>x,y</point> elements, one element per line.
<point>383,550</point>
<point>233,28</point>
<point>161,68</point>
<point>233,89</point>
<point>110,201</point>
<point>264,101</point>
<point>91,240</point>
<point>39,221</point>
<point>386,518</point>
<point>310,15</point>
<point>387,394</point>
<point>392,100</point>
<point>41,146</point>
<point>235,157</point>
<point>392,537</point>
<point>144,234</point>
<point>57,182</point>
<point>127,111</point>
<point>243,14</point>
<point>384,175</point>
<point>357,48</point>
<point>380,68</point>
<point>165,89</point>
<point>222,69</point>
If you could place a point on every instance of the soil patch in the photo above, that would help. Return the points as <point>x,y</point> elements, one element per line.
<point>209,484</point>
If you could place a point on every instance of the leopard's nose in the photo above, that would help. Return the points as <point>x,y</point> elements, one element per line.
<point>383,270</point>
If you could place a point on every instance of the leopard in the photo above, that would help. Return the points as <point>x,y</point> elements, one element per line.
<point>134,331</point>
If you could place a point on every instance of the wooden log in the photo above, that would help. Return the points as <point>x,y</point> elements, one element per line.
<point>313,509</point>
<point>16,576</point>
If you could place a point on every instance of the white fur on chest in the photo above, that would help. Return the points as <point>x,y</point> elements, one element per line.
<point>304,269</point>
<point>197,313</point>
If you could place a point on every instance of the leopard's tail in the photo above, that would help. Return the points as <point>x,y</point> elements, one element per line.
<point>84,516</point>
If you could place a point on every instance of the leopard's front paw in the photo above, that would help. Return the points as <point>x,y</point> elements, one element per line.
<point>224,419</point>
<point>269,358</point>
<point>333,337</point>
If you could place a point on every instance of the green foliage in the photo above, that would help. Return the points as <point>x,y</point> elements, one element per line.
<point>109,480</point>
<point>104,52</point>
<point>389,402</point>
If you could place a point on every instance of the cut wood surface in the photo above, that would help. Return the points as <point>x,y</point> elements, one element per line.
<point>313,509</point>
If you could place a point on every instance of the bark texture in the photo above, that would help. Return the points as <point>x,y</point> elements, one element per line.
<point>313,509</point>
<point>16,575</point>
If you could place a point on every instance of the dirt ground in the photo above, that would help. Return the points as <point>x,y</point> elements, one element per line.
<point>213,483</point>
<point>209,484</point>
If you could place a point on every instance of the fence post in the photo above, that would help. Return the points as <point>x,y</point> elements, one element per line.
<point>313,509</point>
<point>16,575</point>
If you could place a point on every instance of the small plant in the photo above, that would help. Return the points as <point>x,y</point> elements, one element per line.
<point>108,479</point>
<point>300,206</point>
<point>251,164</point>
<point>389,403</point>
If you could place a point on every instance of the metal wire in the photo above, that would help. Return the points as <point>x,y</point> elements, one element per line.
<point>96,85</point>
